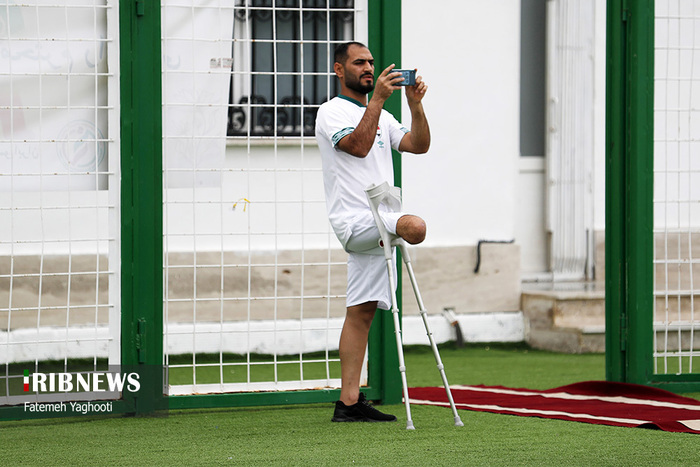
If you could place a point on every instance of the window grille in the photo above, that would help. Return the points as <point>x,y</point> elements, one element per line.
<point>280,53</point>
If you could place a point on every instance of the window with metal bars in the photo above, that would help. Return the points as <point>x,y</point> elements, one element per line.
<point>282,68</point>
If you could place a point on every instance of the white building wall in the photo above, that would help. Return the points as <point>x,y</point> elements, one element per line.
<point>465,186</point>
<point>472,184</point>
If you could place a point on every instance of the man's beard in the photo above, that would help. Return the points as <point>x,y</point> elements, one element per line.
<point>356,85</point>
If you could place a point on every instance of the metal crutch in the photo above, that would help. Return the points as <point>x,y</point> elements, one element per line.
<point>390,196</point>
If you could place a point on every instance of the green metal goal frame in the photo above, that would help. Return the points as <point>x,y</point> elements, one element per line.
<point>629,238</point>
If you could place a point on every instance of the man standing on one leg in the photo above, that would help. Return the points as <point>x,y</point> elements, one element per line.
<point>355,138</point>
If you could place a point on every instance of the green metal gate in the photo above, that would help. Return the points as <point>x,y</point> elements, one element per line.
<point>141,207</point>
<point>652,216</point>
<point>143,300</point>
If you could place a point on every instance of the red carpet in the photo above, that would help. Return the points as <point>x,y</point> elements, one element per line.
<point>598,402</point>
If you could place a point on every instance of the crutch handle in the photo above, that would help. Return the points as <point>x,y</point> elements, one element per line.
<point>390,196</point>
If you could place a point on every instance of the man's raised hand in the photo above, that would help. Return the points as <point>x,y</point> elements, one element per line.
<point>415,93</point>
<point>387,83</point>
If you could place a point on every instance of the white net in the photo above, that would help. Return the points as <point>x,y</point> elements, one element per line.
<point>254,277</point>
<point>677,185</point>
<point>59,190</point>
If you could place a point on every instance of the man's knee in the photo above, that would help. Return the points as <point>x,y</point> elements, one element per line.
<point>362,314</point>
<point>411,228</point>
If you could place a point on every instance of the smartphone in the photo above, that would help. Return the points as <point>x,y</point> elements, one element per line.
<point>409,77</point>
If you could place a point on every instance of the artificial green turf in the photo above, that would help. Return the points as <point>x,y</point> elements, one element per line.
<point>502,365</point>
<point>304,435</point>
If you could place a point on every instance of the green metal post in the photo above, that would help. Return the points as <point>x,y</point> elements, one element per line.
<point>142,200</point>
<point>385,44</point>
<point>629,191</point>
<point>615,184</point>
<point>640,251</point>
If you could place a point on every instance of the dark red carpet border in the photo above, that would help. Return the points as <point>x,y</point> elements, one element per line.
<point>598,402</point>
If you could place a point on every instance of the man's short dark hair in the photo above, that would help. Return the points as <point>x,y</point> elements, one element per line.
<point>341,52</point>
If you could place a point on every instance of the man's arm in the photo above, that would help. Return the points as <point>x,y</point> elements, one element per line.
<point>360,141</point>
<point>417,141</point>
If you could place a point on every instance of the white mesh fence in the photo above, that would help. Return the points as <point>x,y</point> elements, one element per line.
<point>59,190</point>
<point>677,185</point>
<point>254,277</point>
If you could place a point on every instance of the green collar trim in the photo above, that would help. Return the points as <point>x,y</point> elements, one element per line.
<point>350,99</point>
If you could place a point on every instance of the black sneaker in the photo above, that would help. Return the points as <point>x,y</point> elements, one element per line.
<point>361,411</point>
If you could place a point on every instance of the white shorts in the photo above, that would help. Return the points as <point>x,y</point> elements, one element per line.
<point>368,278</point>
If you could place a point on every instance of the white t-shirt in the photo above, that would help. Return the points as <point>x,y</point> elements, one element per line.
<point>345,176</point>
